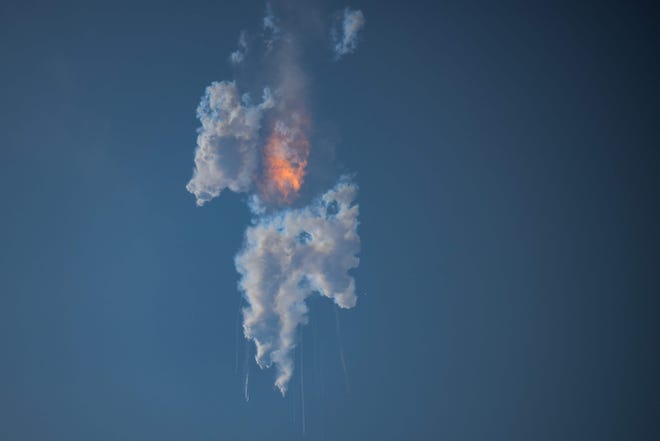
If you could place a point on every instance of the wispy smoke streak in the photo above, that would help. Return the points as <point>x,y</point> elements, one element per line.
<point>345,32</point>
<point>246,394</point>
<point>302,383</point>
<point>293,407</point>
<point>341,351</point>
<point>236,327</point>
<point>246,370</point>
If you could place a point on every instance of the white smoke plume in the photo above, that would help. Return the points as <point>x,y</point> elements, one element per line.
<point>345,32</point>
<point>262,149</point>
<point>227,144</point>
<point>287,257</point>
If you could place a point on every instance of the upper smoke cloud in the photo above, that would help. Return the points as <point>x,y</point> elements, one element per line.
<point>286,258</point>
<point>263,149</point>
<point>344,34</point>
<point>227,143</point>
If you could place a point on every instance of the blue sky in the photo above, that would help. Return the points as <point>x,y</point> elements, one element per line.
<point>507,164</point>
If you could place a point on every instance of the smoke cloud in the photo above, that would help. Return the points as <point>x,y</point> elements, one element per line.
<point>262,149</point>
<point>345,32</point>
<point>287,257</point>
<point>228,141</point>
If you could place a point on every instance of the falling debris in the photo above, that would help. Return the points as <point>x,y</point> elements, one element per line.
<point>302,383</point>
<point>246,393</point>
<point>236,338</point>
<point>246,370</point>
<point>342,359</point>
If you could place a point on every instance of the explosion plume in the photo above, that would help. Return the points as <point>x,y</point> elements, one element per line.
<point>263,150</point>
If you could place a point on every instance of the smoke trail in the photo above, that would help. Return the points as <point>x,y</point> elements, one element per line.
<point>246,394</point>
<point>315,355</point>
<point>341,351</point>
<point>263,149</point>
<point>236,342</point>
<point>293,407</point>
<point>318,375</point>
<point>322,406</point>
<point>246,370</point>
<point>302,382</point>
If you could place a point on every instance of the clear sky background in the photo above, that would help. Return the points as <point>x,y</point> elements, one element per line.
<point>507,161</point>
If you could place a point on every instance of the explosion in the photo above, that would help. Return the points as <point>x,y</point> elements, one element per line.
<point>290,252</point>
<point>285,160</point>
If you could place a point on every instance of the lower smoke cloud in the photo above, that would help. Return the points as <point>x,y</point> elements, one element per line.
<point>287,257</point>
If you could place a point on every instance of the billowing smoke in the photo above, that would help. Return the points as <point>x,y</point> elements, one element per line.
<point>345,32</point>
<point>287,257</point>
<point>228,141</point>
<point>262,148</point>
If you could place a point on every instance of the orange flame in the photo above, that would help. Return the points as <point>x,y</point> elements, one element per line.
<point>285,161</point>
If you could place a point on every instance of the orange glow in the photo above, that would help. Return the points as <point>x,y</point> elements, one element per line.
<point>285,161</point>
